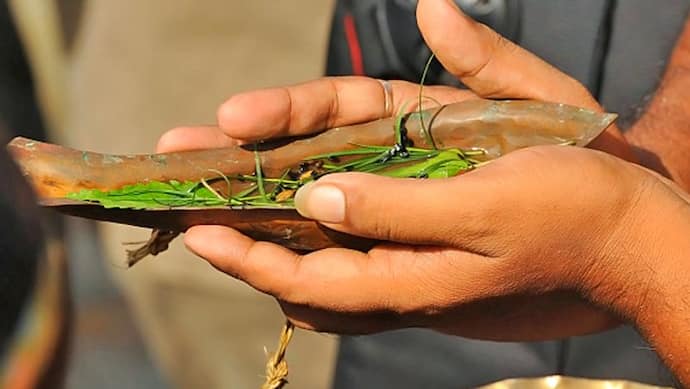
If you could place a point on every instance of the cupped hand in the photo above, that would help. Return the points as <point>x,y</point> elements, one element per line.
<point>504,252</point>
<point>501,253</point>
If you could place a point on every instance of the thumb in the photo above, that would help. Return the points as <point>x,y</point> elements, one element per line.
<point>413,211</point>
<point>489,64</point>
<point>494,67</point>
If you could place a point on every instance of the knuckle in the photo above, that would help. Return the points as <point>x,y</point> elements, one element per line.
<point>578,94</point>
<point>488,52</point>
<point>383,227</point>
<point>291,118</point>
<point>333,109</point>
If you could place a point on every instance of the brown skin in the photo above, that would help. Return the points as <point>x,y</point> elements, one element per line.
<point>512,251</point>
<point>662,135</point>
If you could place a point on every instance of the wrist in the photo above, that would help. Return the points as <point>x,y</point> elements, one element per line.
<point>643,252</point>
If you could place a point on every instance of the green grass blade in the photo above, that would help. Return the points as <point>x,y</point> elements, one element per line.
<point>427,132</point>
<point>259,172</point>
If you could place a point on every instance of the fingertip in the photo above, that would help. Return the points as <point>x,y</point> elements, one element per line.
<point>192,138</point>
<point>255,115</point>
<point>438,20</point>
<point>196,239</point>
<point>218,245</point>
<point>430,12</point>
<point>170,141</point>
<point>427,8</point>
<point>265,266</point>
<point>302,197</point>
<point>340,200</point>
<point>228,113</point>
<point>322,202</point>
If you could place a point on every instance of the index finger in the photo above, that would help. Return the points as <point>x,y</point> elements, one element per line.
<point>320,104</point>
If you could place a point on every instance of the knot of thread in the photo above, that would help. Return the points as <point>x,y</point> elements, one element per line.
<point>157,243</point>
<point>276,367</point>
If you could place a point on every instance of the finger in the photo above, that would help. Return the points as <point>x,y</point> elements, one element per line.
<point>377,284</point>
<point>193,138</point>
<point>489,64</point>
<point>349,292</point>
<point>494,67</point>
<point>322,279</point>
<point>267,267</point>
<point>505,318</point>
<point>404,210</point>
<point>317,105</point>
<point>393,286</point>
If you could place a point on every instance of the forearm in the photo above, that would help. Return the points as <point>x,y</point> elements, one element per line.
<point>665,319</point>
<point>660,307</point>
<point>662,135</point>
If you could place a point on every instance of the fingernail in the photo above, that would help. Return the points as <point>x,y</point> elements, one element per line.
<point>322,202</point>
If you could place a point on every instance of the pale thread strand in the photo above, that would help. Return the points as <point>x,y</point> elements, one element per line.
<point>276,367</point>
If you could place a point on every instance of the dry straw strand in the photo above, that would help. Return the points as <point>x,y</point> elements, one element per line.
<point>276,367</point>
